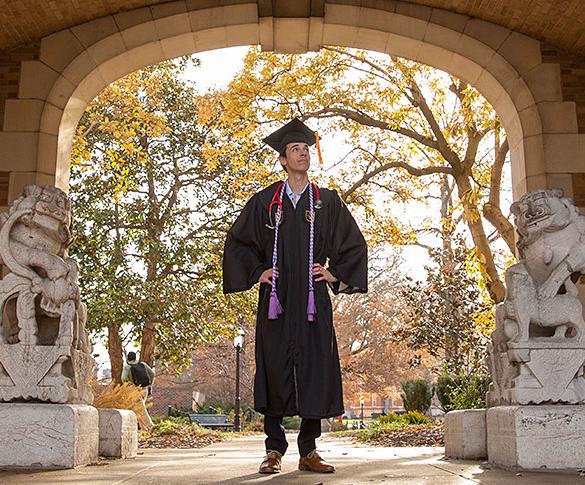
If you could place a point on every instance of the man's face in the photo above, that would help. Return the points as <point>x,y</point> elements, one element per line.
<point>298,158</point>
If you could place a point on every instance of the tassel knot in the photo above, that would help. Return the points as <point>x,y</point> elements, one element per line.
<point>311,310</point>
<point>274,306</point>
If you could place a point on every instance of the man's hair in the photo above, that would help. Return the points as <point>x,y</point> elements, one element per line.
<point>131,355</point>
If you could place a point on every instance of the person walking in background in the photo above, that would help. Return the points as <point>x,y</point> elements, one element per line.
<point>140,374</point>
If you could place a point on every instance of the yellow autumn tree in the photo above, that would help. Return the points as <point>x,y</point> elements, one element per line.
<point>414,135</point>
<point>151,214</point>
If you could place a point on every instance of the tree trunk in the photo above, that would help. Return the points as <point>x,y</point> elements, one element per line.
<point>502,225</point>
<point>447,229</point>
<point>148,344</point>
<point>494,284</point>
<point>153,227</point>
<point>447,225</point>
<point>115,353</point>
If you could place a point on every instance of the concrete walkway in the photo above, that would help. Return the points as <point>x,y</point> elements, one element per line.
<point>236,462</point>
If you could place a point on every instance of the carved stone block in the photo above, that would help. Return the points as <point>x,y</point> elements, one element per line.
<point>465,434</point>
<point>536,437</point>
<point>118,433</point>
<point>41,435</point>
<point>539,372</point>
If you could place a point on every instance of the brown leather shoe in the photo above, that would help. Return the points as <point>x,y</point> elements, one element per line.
<point>314,463</point>
<point>271,463</point>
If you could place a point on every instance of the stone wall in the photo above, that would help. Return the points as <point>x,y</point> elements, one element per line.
<point>573,90</point>
<point>537,104</point>
<point>10,73</point>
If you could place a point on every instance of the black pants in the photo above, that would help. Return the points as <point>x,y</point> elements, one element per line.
<point>276,440</point>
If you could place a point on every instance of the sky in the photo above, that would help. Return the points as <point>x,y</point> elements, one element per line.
<point>217,68</point>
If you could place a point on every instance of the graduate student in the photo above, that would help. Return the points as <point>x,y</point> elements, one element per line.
<point>298,241</point>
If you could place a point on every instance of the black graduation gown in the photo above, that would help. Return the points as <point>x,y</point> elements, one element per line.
<point>297,363</point>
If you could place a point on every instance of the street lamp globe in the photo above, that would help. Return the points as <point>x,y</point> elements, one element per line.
<point>239,338</point>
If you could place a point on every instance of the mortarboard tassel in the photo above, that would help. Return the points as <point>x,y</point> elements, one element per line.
<point>318,146</point>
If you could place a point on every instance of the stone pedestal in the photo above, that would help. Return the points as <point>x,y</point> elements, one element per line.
<point>48,435</point>
<point>542,437</point>
<point>538,371</point>
<point>465,434</point>
<point>118,433</point>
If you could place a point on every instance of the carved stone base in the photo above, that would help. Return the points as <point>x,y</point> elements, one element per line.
<point>465,436</point>
<point>537,372</point>
<point>118,433</point>
<point>48,435</point>
<point>536,437</point>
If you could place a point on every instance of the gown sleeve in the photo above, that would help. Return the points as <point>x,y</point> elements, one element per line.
<point>243,261</point>
<point>348,259</point>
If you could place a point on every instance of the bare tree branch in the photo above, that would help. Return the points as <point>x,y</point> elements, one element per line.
<point>492,210</point>
<point>367,120</point>
<point>418,172</point>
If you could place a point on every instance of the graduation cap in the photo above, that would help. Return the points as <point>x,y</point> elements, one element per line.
<point>294,131</point>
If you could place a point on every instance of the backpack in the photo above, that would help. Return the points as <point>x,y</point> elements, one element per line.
<point>140,376</point>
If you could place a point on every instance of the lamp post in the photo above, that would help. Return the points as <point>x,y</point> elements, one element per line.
<point>238,344</point>
<point>361,413</point>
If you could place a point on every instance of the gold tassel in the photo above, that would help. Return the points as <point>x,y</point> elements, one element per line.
<point>318,148</point>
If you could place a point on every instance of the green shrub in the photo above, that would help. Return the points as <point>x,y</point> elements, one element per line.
<point>445,386</point>
<point>168,426</point>
<point>391,418</point>
<point>462,391</point>
<point>470,393</point>
<point>411,417</point>
<point>291,422</point>
<point>253,426</point>
<point>416,395</point>
<point>179,420</point>
<point>416,417</point>
<point>393,422</point>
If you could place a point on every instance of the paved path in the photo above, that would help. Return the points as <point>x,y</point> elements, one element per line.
<point>236,462</point>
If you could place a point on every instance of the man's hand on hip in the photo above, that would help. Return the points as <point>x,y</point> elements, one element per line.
<point>266,276</point>
<point>323,273</point>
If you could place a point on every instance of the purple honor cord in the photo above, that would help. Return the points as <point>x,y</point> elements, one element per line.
<point>274,306</point>
<point>311,310</point>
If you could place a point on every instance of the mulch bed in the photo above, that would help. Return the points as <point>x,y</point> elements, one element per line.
<point>182,439</point>
<point>422,435</point>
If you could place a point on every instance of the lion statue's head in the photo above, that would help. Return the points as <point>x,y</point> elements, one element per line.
<point>46,223</point>
<point>542,211</point>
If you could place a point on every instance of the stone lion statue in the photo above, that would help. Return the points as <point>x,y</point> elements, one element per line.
<point>540,290</point>
<point>537,352</point>
<point>43,319</point>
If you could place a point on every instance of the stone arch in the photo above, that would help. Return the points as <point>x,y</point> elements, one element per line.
<point>75,64</point>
